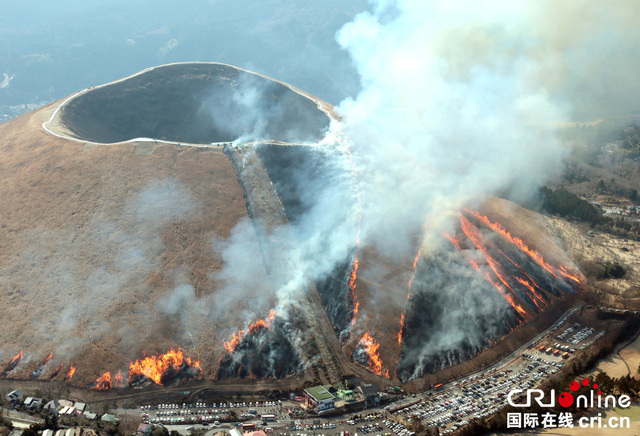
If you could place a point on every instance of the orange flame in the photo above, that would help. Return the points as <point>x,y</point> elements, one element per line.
<point>413,276</point>
<point>55,372</point>
<point>352,288</point>
<point>47,359</point>
<point>263,323</point>
<point>69,376</point>
<point>155,366</point>
<point>372,348</point>
<point>14,362</point>
<point>230,346</point>
<point>118,380</point>
<point>528,283</point>
<point>559,272</point>
<point>473,233</point>
<point>103,382</point>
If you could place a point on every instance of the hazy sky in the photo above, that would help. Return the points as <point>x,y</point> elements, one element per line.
<point>49,50</point>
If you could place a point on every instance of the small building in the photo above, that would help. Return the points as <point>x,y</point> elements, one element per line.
<point>47,432</point>
<point>33,403</point>
<point>347,395</point>
<point>352,382</point>
<point>80,406</point>
<point>90,415</point>
<point>52,407</point>
<point>319,398</point>
<point>109,418</point>
<point>144,429</point>
<point>14,396</point>
<point>370,393</point>
<point>235,432</point>
<point>60,432</point>
<point>65,403</point>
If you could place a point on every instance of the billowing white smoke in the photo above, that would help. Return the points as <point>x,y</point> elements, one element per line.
<point>461,99</point>
<point>450,110</point>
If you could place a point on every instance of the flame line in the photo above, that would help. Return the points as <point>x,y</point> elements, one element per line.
<point>370,346</point>
<point>473,234</point>
<point>231,345</point>
<point>535,255</point>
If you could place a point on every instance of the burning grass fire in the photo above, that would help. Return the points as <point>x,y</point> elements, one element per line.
<point>102,383</point>
<point>444,288</point>
<point>55,372</point>
<point>38,372</point>
<point>162,369</point>
<point>265,323</point>
<point>263,350</point>
<point>69,376</point>
<point>367,352</point>
<point>159,369</point>
<point>12,365</point>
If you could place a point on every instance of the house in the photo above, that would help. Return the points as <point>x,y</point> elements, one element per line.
<point>144,429</point>
<point>80,406</point>
<point>370,393</point>
<point>47,433</point>
<point>346,395</point>
<point>52,407</point>
<point>33,403</point>
<point>90,415</point>
<point>319,398</point>
<point>14,396</point>
<point>65,403</point>
<point>109,418</point>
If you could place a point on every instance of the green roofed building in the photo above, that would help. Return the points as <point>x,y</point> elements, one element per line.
<point>319,398</point>
<point>347,395</point>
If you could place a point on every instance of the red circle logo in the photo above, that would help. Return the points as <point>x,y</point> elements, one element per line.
<point>574,386</point>
<point>565,399</point>
<point>585,382</point>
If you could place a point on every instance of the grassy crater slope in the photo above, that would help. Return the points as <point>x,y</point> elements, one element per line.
<point>98,243</point>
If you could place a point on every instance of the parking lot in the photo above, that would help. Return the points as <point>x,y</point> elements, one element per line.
<point>483,394</point>
<point>213,413</point>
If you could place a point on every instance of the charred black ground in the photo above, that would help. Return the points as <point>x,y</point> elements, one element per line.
<point>264,353</point>
<point>194,103</point>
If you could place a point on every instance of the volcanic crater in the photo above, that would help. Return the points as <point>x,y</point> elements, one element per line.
<point>196,103</point>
